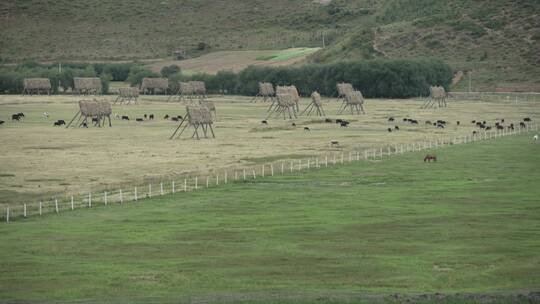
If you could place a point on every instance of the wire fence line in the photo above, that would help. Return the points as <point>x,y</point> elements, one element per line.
<point>135,194</point>
<point>498,96</point>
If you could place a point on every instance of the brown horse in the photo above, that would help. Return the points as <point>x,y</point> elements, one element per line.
<point>430,158</point>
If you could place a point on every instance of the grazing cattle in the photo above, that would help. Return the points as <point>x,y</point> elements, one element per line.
<point>139,119</point>
<point>414,121</point>
<point>511,126</point>
<point>430,158</point>
<point>293,124</point>
<point>145,116</point>
<point>59,122</point>
<point>306,129</point>
<point>45,115</point>
<point>166,116</point>
<point>457,122</point>
<point>484,122</point>
<point>502,120</point>
<point>396,128</point>
<point>497,124</point>
<point>474,133</point>
<point>85,125</point>
<point>488,128</point>
<point>391,119</point>
<point>522,125</point>
<point>95,120</point>
<point>440,126</point>
<point>175,119</point>
<point>482,126</point>
<point>435,124</point>
<point>405,119</point>
<point>389,129</point>
<point>21,114</point>
<point>338,121</point>
<point>264,122</point>
<point>116,116</point>
<point>535,138</point>
<point>15,117</point>
<point>442,122</point>
<point>473,122</point>
<point>479,124</point>
<point>499,127</point>
<point>179,116</point>
<point>334,143</point>
<point>1,122</point>
<point>328,120</point>
<point>124,117</point>
<point>428,122</point>
<point>344,124</point>
<point>151,116</point>
<point>527,119</point>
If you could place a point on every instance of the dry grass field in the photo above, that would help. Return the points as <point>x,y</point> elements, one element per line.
<point>39,160</point>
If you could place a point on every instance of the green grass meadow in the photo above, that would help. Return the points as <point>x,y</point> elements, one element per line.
<point>469,223</point>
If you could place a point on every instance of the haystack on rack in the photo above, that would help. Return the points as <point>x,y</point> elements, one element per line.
<point>97,111</point>
<point>354,100</point>
<point>154,85</point>
<point>127,95</point>
<point>196,117</point>
<point>437,94</point>
<point>37,86</point>
<point>87,86</point>
<point>316,104</point>
<point>283,90</point>
<point>342,89</point>
<point>285,105</point>
<point>266,91</point>
<point>189,90</point>
<point>209,105</point>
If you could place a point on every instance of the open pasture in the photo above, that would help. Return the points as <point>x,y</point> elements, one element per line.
<point>41,160</point>
<point>468,223</point>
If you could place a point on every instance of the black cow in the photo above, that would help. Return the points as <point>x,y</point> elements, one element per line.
<point>499,127</point>
<point>293,124</point>
<point>428,122</point>
<point>15,117</point>
<point>139,119</point>
<point>166,116</point>
<point>405,119</point>
<point>474,132</point>
<point>306,129</point>
<point>151,116</point>
<point>179,116</point>
<point>414,121</point>
<point>522,125</point>
<point>85,125</point>
<point>488,128</point>
<point>125,117</point>
<point>527,119</point>
<point>440,126</point>
<point>473,122</point>
<point>145,116</point>
<point>59,122</point>
<point>391,119</point>
<point>344,123</point>
<point>389,129</point>
<point>328,120</point>
<point>21,114</point>
<point>338,121</point>
<point>396,128</point>
<point>1,122</point>
<point>264,122</point>
<point>95,120</point>
<point>457,122</point>
<point>174,118</point>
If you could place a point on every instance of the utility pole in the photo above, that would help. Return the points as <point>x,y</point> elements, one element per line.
<point>470,90</point>
<point>323,45</point>
<point>59,73</point>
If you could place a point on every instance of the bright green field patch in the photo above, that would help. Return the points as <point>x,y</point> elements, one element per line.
<point>468,223</point>
<point>288,54</point>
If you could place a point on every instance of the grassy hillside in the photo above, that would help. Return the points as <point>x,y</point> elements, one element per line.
<point>497,39</point>
<point>468,223</point>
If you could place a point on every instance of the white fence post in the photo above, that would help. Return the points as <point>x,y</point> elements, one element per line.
<point>90,199</point>
<point>357,155</point>
<point>308,164</point>
<point>7,214</point>
<point>135,193</point>
<point>365,154</point>
<point>244,174</point>
<point>254,174</point>
<point>105,197</point>
<point>161,188</point>
<point>40,208</point>
<point>262,170</point>
<point>225,175</point>
<point>72,205</point>
<point>185,184</point>
<point>24,212</point>
<point>326,160</point>
<point>299,165</point>
<point>272,169</point>
<point>150,190</point>
<point>196,183</point>
<point>217,179</point>
<point>207,181</point>
<point>172,186</point>
<point>292,166</point>
<point>282,168</point>
<point>56,205</point>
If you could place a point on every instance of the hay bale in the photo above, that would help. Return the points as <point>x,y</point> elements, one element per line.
<point>266,89</point>
<point>208,104</point>
<point>185,88</point>
<point>198,87</point>
<point>153,84</point>
<point>285,100</point>
<point>206,116</point>
<point>194,114</point>
<point>37,84</point>
<point>354,97</point>
<point>89,108</point>
<point>128,92</point>
<point>343,88</point>
<point>104,108</point>
<point>87,85</point>
<point>316,99</point>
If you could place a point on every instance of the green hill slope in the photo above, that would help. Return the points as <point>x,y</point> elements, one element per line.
<point>499,40</point>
